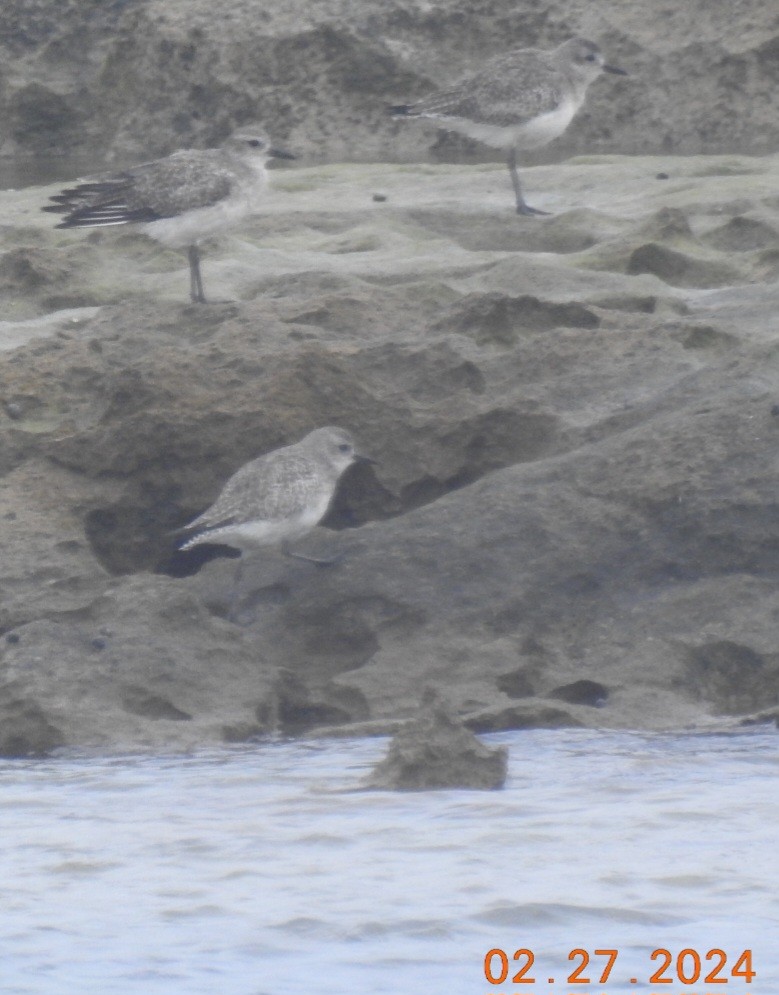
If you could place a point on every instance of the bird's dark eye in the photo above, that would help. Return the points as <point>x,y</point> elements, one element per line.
<point>592,57</point>
<point>344,447</point>
<point>255,143</point>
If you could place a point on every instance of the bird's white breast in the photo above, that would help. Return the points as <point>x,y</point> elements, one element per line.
<point>198,223</point>
<point>542,129</point>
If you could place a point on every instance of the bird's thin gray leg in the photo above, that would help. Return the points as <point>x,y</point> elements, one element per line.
<point>287,551</point>
<point>195,279</point>
<point>522,206</point>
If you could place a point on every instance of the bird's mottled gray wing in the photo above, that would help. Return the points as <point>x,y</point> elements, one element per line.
<point>180,182</point>
<point>510,90</point>
<point>160,189</point>
<point>272,488</point>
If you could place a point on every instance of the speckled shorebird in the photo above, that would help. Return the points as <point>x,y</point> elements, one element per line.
<point>179,200</point>
<point>520,100</point>
<point>280,496</point>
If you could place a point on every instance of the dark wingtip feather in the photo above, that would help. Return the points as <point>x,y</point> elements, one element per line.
<point>69,223</point>
<point>103,215</point>
<point>196,530</point>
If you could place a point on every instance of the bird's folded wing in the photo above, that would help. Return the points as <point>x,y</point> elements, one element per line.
<point>505,93</point>
<point>183,181</point>
<point>267,488</point>
<point>160,189</point>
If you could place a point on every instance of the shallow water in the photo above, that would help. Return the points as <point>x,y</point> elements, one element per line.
<point>259,870</point>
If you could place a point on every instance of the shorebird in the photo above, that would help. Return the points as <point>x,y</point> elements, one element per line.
<point>519,100</point>
<point>279,497</point>
<point>179,200</point>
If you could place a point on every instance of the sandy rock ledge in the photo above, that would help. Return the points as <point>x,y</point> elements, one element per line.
<point>573,520</point>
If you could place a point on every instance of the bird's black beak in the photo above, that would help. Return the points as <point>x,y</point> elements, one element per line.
<point>281,154</point>
<point>358,458</point>
<point>615,70</point>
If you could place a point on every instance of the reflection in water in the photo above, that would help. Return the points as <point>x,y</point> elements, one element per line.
<point>259,870</point>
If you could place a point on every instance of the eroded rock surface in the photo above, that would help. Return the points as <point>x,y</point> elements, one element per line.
<point>136,80</point>
<point>573,520</point>
<point>433,750</point>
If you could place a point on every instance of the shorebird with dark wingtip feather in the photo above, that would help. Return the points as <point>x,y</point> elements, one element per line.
<point>277,499</point>
<point>179,200</point>
<point>519,100</point>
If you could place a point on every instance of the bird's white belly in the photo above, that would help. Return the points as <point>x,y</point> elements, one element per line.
<point>529,135</point>
<point>192,226</point>
<point>262,532</point>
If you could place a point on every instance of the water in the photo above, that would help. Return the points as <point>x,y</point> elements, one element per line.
<point>258,871</point>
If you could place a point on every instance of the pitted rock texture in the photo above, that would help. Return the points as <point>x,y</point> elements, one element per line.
<point>435,751</point>
<point>132,81</point>
<point>573,518</point>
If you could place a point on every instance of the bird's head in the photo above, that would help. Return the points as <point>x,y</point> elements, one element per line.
<point>585,59</point>
<point>252,142</point>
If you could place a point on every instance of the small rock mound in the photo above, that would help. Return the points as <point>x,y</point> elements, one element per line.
<point>434,750</point>
<point>500,319</point>
<point>25,729</point>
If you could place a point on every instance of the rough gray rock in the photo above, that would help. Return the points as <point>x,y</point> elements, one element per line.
<point>137,80</point>
<point>574,516</point>
<point>433,750</point>
<point>143,666</point>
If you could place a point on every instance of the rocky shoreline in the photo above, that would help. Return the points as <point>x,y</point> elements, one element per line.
<point>573,520</point>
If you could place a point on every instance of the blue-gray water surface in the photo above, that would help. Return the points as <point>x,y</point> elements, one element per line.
<point>260,871</point>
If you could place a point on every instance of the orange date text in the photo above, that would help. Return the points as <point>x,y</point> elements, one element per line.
<point>596,967</point>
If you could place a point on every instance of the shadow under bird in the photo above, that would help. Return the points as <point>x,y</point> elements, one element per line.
<point>519,100</point>
<point>279,497</point>
<point>180,200</point>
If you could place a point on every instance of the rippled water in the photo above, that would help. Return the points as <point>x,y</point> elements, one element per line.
<point>260,870</point>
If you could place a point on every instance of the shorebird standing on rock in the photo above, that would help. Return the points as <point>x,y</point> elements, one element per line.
<point>280,496</point>
<point>520,100</point>
<point>179,200</point>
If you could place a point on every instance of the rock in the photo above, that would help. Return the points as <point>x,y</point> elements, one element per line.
<point>678,268</point>
<point>582,692</point>
<point>732,675</point>
<point>26,730</point>
<point>134,81</point>
<point>435,751</point>
<point>573,519</point>
<point>771,715</point>
<point>500,319</point>
<point>295,708</point>
<point>98,678</point>
<point>41,118</point>
<point>530,715</point>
